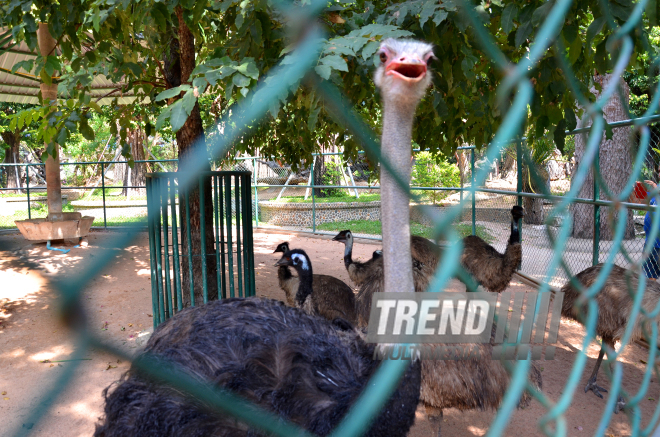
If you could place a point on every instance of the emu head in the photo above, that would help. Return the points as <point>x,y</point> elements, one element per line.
<point>296,258</point>
<point>282,247</point>
<point>343,236</point>
<point>517,212</point>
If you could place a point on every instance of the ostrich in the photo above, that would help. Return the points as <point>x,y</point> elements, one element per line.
<point>402,80</point>
<point>322,284</point>
<point>301,367</point>
<point>319,294</point>
<point>425,256</point>
<point>491,269</point>
<point>614,306</point>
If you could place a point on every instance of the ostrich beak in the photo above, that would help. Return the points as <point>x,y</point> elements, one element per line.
<point>339,238</point>
<point>411,69</point>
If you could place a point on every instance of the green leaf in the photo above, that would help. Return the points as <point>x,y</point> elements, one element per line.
<point>369,50</point>
<point>86,131</point>
<point>440,16</point>
<point>62,136</point>
<point>509,14</point>
<point>91,57</point>
<point>178,116</point>
<point>30,23</point>
<point>161,118</point>
<point>594,29</point>
<point>95,106</point>
<point>148,129</point>
<point>189,101</point>
<point>427,10</point>
<point>608,131</point>
<point>570,32</point>
<point>575,50</point>
<point>324,71</point>
<point>541,13</point>
<point>239,21</point>
<point>172,92</point>
<point>571,119</point>
<point>240,81</point>
<point>26,65</point>
<point>522,33</point>
<point>75,65</point>
<point>249,69</point>
<point>45,77</point>
<point>336,62</point>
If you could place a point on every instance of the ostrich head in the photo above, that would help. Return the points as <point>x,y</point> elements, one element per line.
<point>377,254</point>
<point>282,247</point>
<point>296,258</point>
<point>517,212</point>
<point>402,75</point>
<point>343,236</point>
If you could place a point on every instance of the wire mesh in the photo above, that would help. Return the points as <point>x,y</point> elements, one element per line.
<point>556,212</point>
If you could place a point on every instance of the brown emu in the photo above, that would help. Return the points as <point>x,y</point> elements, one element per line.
<point>402,80</point>
<point>491,269</point>
<point>614,307</point>
<point>301,367</point>
<point>319,294</point>
<point>289,283</point>
<point>425,255</point>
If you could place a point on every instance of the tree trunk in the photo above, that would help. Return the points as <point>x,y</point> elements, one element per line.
<point>13,140</point>
<point>178,68</point>
<point>135,138</point>
<point>615,167</point>
<point>534,214</point>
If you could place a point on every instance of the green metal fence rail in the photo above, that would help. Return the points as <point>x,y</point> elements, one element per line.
<point>123,216</point>
<point>233,242</point>
<point>287,76</point>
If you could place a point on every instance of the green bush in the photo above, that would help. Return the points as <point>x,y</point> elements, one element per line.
<point>332,176</point>
<point>427,171</point>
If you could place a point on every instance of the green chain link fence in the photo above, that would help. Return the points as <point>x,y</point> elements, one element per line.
<point>286,77</point>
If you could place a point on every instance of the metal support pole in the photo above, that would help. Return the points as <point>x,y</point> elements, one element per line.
<point>105,221</point>
<point>596,248</point>
<point>520,184</point>
<point>474,193</point>
<point>27,188</point>
<point>256,192</point>
<point>350,175</point>
<point>311,178</point>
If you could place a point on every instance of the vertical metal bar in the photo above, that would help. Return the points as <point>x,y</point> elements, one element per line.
<point>596,246</point>
<point>202,225</point>
<point>190,256</point>
<point>27,187</point>
<point>249,246</point>
<point>216,200</point>
<point>222,236</point>
<point>239,251</point>
<point>175,245</point>
<point>230,245</point>
<point>105,221</point>
<point>245,189</point>
<point>474,193</point>
<point>311,179</point>
<point>256,192</point>
<point>162,204</point>
<point>159,266</point>
<point>520,186</point>
<point>152,252</point>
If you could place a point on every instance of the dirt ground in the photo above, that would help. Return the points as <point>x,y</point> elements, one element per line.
<point>118,302</point>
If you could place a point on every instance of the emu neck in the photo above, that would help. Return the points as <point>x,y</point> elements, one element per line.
<point>348,253</point>
<point>305,288</point>
<point>395,213</point>
<point>515,232</point>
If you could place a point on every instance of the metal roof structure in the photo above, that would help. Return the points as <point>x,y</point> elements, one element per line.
<point>23,86</point>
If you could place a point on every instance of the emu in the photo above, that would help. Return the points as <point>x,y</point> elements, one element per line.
<point>491,269</point>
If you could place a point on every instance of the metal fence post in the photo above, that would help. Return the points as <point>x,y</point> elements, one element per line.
<point>105,219</point>
<point>256,193</point>
<point>520,184</point>
<point>27,188</point>
<point>474,193</point>
<point>596,248</point>
<point>311,178</point>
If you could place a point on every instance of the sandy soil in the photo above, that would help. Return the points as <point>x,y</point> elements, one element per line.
<point>118,301</point>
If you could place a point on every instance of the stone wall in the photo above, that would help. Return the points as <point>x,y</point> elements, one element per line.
<point>300,214</point>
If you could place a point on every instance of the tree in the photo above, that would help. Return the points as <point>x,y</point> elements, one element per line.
<point>615,167</point>
<point>225,48</point>
<point>12,140</point>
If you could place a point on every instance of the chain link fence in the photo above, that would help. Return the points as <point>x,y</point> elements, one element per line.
<point>559,219</point>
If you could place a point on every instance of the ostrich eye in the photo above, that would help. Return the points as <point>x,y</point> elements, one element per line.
<point>383,57</point>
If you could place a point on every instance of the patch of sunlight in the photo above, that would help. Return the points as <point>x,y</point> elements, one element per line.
<point>18,285</point>
<point>144,272</point>
<point>16,353</point>
<point>55,352</point>
<point>476,431</point>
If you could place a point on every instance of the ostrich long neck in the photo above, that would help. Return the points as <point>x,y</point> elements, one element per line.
<point>348,252</point>
<point>305,277</point>
<point>395,213</point>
